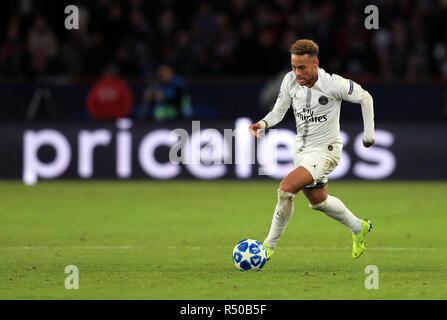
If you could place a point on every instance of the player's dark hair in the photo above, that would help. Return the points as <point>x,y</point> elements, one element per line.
<point>304,46</point>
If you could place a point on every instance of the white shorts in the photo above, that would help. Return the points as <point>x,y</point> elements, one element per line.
<point>319,161</point>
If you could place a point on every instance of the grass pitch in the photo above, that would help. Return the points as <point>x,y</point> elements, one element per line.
<point>174,240</point>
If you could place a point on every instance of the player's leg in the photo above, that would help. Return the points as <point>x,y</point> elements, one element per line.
<point>320,200</point>
<point>296,180</point>
<point>289,186</point>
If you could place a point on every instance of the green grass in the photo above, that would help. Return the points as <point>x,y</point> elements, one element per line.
<point>173,240</point>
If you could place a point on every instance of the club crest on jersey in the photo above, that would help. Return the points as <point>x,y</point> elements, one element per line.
<point>323,100</point>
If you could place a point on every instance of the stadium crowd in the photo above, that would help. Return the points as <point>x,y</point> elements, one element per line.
<point>235,37</point>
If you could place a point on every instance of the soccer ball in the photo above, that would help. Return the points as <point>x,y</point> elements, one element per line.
<point>249,254</point>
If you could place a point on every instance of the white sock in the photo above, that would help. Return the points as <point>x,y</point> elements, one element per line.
<point>336,209</point>
<point>281,217</point>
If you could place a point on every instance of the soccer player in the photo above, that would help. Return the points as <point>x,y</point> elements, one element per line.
<point>315,97</point>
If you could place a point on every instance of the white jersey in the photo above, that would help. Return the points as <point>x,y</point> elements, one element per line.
<point>317,109</point>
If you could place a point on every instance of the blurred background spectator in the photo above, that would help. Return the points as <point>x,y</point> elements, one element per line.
<point>42,47</point>
<point>166,98</point>
<point>110,98</point>
<point>206,41</point>
<point>224,37</point>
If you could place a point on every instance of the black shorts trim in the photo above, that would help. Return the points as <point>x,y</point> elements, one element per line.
<point>319,185</point>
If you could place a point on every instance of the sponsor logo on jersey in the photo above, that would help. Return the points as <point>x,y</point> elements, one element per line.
<point>308,115</point>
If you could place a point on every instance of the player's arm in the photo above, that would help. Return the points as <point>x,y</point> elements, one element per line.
<point>367,105</point>
<point>350,91</point>
<point>278,112</point>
